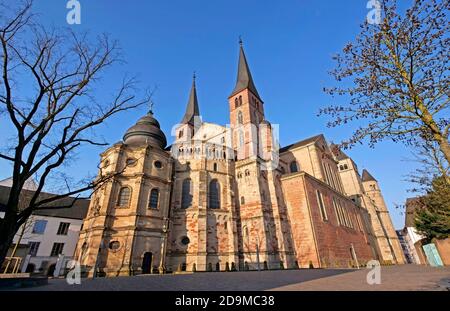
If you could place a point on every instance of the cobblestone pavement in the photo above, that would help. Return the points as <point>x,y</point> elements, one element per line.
<point>392,278</point>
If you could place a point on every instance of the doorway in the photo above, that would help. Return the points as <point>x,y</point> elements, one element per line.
<point>147,263</point>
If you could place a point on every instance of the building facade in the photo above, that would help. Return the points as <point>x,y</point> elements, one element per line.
<point>227,198</point>
<point>49,235</point>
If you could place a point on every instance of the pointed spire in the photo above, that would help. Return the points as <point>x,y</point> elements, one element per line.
<point>367,177</point>
<point>192,110</point>
<point>244,77</point>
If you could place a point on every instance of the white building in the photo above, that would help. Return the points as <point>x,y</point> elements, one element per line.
<point>49,234</point>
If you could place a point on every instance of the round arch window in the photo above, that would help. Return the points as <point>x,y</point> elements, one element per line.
<point>158,164</point>
<point>114,245</point>
<point>185,240</point>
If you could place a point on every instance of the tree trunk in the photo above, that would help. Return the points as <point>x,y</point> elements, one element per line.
<point>7,233</point>
<point>445,148</point>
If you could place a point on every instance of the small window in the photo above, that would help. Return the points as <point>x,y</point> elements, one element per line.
<point>345,167</point>
<point>106,163</point>
<point>124,197</point>
<point>222,140</point>
<point>240,100</point>
<point>39,226</point>
<point>242,200</point>
<point>247,173</point>
<point>158,164</point>
<point>154,198</point>
<point>57,249</point>
<point>180,134</point>
<point>215,167</point>
<point>33,248</point>
<point>323,211</point>
<point>131,161</point>
<point>293,167</point>
<point>341,167</point>
<point>63,228</point>
<point>241,139</point>
<point>236,102</point>
<point>240,118</point>
<point>185,240</point>
<point>114,245</point>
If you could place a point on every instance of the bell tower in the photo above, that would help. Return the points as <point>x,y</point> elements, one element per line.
<point>246,111</point>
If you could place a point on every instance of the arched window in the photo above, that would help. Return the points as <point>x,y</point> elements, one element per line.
<point>241,138</point>
<point>247,173</point>
<point>124,197</point>
<point>186,194</point>
<point>293,167</point>
<point>240,100</point>
<point>154,198</point>
<point>236,102</point>
<point>214,194</point>
<point>240,118</point>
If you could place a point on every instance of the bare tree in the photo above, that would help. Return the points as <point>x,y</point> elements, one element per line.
<point>47,90</point>
<point>397,76</point>
<point>431,164</point>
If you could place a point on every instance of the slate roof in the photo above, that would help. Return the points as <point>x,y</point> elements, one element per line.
<point>304,142</point>
<point>77,211</point>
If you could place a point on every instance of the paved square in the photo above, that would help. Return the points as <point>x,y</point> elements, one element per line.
<point>408,277</point>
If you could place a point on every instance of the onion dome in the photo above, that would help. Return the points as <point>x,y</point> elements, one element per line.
<point>146,131</point>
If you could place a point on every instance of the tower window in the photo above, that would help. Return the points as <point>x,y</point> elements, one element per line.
<point>124,197</point>
<point>180,134</point>
<point>241,138</point>
<point>158,164</point>
<point>214,194</point>
<point>240,118</point>
<point>242,200</point>
<point>240,100</point>
<point>154,198</point>
<point>236,102</point>
<point>215,167</point>
<point>186,194</point>
<point>293,167</point>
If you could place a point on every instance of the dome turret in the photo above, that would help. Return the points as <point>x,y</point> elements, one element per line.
<point>146,131</point>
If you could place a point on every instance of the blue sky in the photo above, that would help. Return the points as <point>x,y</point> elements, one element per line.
<point>289,45</point>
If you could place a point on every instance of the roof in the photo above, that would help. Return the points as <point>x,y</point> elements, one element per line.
<point>338,153</point>
<point>29,184</point>
<point>192,109</point>
<point>301,143</point>
<point>244,76</point>
<point>366,176</point>
<point>54,209</point>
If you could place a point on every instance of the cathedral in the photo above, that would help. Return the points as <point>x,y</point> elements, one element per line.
<point>230,198</point>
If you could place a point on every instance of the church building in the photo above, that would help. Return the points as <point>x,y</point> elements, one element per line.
<point>227,198</point>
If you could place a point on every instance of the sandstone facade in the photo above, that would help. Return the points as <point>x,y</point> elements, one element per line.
<point>228,198</point>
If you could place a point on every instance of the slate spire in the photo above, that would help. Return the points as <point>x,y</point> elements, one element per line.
<point>192,110</point>
<point>244,76</point>
<point>367,177</point>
